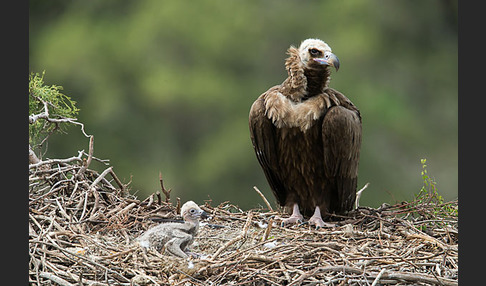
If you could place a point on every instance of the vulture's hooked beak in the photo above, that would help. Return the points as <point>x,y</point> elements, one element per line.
<point>329,59</point>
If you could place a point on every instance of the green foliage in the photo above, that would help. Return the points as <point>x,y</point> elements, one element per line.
<point>428,193</point>
<point>59,106</point>
<point>428,205</point>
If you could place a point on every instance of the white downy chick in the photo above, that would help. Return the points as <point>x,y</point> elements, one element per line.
<point>176,237</point>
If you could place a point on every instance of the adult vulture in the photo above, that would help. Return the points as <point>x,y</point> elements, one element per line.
<point>307,137</point>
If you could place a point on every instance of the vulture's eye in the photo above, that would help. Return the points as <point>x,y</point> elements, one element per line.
<point>314,52</point>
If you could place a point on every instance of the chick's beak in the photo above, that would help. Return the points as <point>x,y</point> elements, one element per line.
<point>329,59</point>
<point>203,215</point>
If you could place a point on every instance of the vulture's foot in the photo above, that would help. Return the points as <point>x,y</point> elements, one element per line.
<point>317,221</point>
<point>296,217</point>
<point>293,219</point>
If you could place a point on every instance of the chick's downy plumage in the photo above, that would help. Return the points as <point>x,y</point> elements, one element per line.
<point>175,237</point>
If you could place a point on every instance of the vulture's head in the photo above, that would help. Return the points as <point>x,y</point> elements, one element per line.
<point>314,53</point>
<point>190,211</point>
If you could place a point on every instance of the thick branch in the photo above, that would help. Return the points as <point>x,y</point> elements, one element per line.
<point>33,159</point>
<point>56,161</point>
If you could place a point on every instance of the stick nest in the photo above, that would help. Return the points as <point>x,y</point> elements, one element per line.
<point>82,226</point>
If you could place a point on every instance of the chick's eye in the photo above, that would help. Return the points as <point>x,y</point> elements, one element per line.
<point>314,52</point>
<point>192,211</point>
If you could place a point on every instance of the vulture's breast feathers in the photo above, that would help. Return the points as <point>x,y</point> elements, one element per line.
<point>284,112</point>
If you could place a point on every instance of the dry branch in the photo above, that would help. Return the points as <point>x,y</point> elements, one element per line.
<point>90,157</point>
<point>33,159</point>
<point>264,198</point>
<point>358,195</point>
<point>242,235</point>
<point>55,279</point>
<point>166,192</point>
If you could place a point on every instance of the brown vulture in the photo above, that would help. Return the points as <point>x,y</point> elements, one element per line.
<point>307,137</point>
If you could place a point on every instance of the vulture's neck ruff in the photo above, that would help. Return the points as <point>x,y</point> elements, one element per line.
<point>317,80</point>
<point>307,78</point>
<point>301,99</point>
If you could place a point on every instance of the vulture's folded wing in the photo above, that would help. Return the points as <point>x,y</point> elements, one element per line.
<point>341,135</point>
<point>262,133</point>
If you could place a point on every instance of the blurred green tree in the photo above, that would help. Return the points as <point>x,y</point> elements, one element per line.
<point>167,85</point>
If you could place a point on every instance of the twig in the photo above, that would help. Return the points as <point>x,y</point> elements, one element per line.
<point>410,277</point>
<point>247,223</point>
<point>268,229</point>
<point>378,277</point>
<point>119,183</point>
<point>419,277</point>
<point>96,204</point>
<point>150,200</point>
<point>263,197</point>
<point>242,235</point>
<point>358,195</point>
<point>127,209</point>
<point>85,259</point>
<point>102,161</point>
<point>159,198</point>
<point>55,279</point>
<point>57,161</point>
<point>90,157</point>
<point>100,177</point>
<point>178,206</point>
<point>118,253</point>
<point>85,204</point>
<point>284,269</point>
<point>226,245</point>
<point>166,192</point>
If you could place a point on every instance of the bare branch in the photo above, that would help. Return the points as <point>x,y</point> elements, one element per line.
<point>33,159</point>
<point>57,161</point>
<point>55,279</point>
<point>119,183</point>
<point>264,198</point>
<point>90,157</point>
<point>100,177</point>
<point>45,115</point>
<point>358,195</point>
<point>166,192</point>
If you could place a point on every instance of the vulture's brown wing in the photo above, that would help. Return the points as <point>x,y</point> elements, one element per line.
<point>262,133</point>
<point>341,134</point>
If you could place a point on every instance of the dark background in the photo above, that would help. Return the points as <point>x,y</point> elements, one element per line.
<point>167,85</point>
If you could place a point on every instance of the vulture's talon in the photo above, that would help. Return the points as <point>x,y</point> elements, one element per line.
<point>303,223</point>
